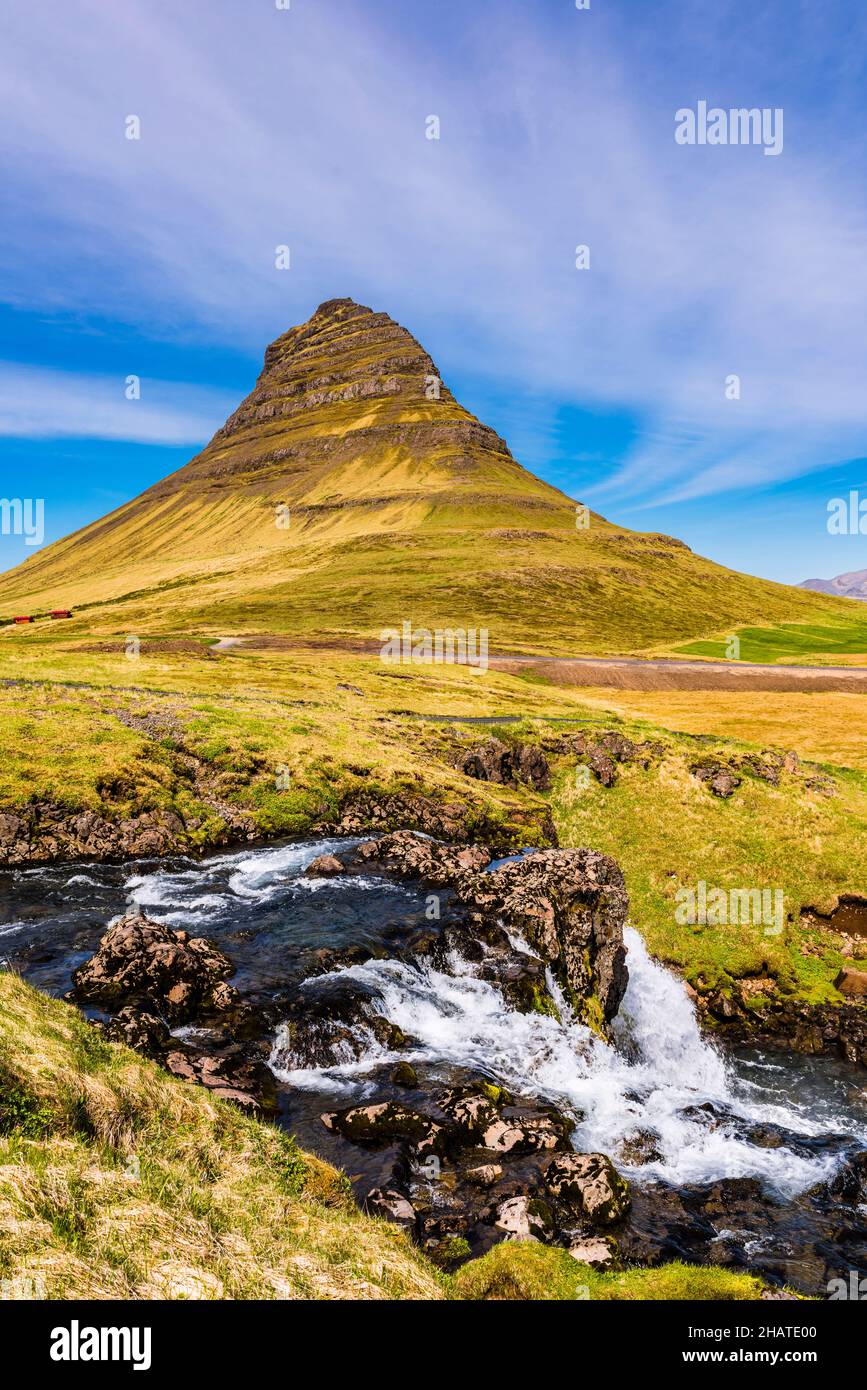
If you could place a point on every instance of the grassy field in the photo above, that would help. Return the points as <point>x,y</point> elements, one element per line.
<point>117,1181</point>
<point>811,643</point>
<point>332,724</point>
<point>826,726</point>
<point>669,833</point>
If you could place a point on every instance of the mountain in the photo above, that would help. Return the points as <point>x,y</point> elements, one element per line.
<point>349,492</point>
<point>851,585</point>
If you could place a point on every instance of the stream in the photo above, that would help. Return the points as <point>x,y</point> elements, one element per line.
<point>791,1123</point>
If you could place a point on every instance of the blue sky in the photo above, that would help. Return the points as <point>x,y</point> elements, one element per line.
<point>306,127</point>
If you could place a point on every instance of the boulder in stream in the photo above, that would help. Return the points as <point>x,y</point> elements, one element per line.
<point>176,974</point>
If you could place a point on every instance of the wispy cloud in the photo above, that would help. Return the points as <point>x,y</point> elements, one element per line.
<point>306,127</point>
<point>42,404</point>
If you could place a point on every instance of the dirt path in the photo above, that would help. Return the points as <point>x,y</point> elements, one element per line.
<point>623,673</point>
<point>616,672</point>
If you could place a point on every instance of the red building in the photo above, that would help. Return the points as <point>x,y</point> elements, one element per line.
<point>22,620</point>
<point>61,613</point>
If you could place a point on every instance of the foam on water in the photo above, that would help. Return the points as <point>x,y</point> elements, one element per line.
<point>256,873</point>
<point>658,1067</point>
<point>176,897</point>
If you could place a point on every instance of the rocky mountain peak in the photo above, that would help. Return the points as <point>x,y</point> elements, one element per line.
<point>347,367</point>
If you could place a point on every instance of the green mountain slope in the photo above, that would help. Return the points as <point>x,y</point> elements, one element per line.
<point>349,492</point>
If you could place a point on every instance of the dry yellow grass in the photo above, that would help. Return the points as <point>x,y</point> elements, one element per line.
<point>828,727</point>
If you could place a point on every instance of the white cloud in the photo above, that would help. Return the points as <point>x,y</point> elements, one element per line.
<point>36,403</point>
<point>307,127</point>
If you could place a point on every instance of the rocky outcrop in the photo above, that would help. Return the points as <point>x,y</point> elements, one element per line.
<point>721,780</point>
<point>473,1165</point>
<point>324,866</point>
<point>588,1185</point>
<point>786,1023</point>
<point>452,821</point>
<point>231,1070</point>
<point>42,832</point>
<point>570,906</point>
<point>508,765</point>
<point>603,750</point>
<point>174,974</point>
<point>851,981</point>
<point>408,855</point>
<point>151,978</point>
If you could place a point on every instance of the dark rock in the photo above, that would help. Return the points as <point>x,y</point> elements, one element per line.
<point>137,1029</point>
<point>527,1134</point>
<point>588,1186</point>
<point>824,785</point>
<point>602,766</point>
<point>789,1024</point>
<point>142,960</point>
<point>765,1136</point>
<point>508,765</point>
<point>330,1025</point>
<point>232,1072</point>
<point>472,1109</point>
<point>718,778</point>
<point>570,905</point>
<point>485,1175</point>
<point>455,822</point>
<point>385,1123</point>
<point>851,982</point>
<point>525,1218</point>
<point>409,856</point>
<point>599,1252</point>
<point>404,1075</point>
<point>391,1206</point>
<point>531,766</point>
<point>640,1148</point>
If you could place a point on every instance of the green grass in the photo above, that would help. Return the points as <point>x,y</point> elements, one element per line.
<point>789,642</point>
<point>667,832</point>
<point>523,1270</point>
<point>274,734</point>
<point>116,1181</point>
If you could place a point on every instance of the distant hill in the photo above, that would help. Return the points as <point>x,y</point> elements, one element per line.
<point>851,585</point>
<point>349,492</point>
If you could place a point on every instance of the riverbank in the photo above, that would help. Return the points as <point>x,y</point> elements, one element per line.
<point>479,1082</point>
<point>117,1181</point>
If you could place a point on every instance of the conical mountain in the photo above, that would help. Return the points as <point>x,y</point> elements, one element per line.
<point>349,492</point>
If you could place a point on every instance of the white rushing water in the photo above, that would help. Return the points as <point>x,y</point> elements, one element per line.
<point>652,1080</point>
<point>177,898</point>
<point>658,1067</point>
